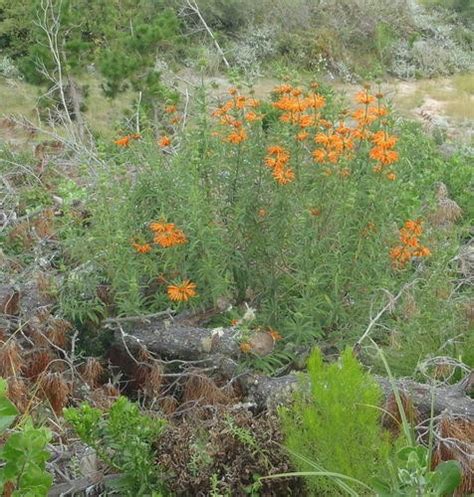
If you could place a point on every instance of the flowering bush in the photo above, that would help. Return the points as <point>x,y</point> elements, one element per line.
<point>291,205</point>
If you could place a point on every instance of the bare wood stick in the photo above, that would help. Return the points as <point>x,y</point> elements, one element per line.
<point>194,7</point>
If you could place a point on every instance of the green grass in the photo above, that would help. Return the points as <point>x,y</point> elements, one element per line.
<point>102,114</point>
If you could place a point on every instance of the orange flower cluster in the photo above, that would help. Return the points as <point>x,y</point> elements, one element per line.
<point>410,245</point>
<point>142,248</point>
<point>366,116</point>
<point>296,105</point>
<point>125,141</point>
<point>236,113</point>
<point>164,141</point>
<point>274,334</point>
<point>237,136</point>
<point>333,144</point>
<point>383,152</point>
<point>182,292</point>
<point>277,160</point>
<point>167,234</point>
<point>170,109</point>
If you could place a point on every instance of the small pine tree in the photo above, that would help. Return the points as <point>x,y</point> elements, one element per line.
<point>337,426</point>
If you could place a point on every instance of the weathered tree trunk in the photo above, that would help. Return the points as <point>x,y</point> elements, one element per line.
<point>74,101</point>
<point>452,400</point>
<point>220,348</point>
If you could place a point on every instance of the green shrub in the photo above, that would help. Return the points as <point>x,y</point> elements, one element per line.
<point>23,454</point>
<point>312,256</point>
<point>123,439</point>
<point>337,424</point>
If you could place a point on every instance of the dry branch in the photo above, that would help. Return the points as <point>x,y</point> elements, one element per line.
<point>451,400</point>
<point>178,340</point>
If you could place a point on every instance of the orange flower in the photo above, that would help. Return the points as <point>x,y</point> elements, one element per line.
<point>274,334</point>
<point>363,97</point>
<point>411,246</point>
<point>283,176</point>
<point>234,322</point>
<point>245,347</point>
<point>379,111</point>
<point>170,109</point>
<point>333,156</point>
<point>251,116</point>
<point>262,212</point>
<point>277,159</point>
<point>164,141</point>
<point>413,226</point>
<point>301,136</point>
<point>285,88</point>
<point>144,248</point>
<point>319,155</point>
<point>237,137</point>
<point>160,227</point>
<point>384,140</point>
<point>167,234</point>
<point>363,117</point>
<point>240,102</point>
<point>170,238</point>
<point>182,291</point>
<point>306,120</point>
<point>322,139</point>
<point>253,102</point>
<point>422,252</point>
<point>383,155</point>
<point>315,212</point>
<point>315,101</point>
<point>276,150</point>
<point>123,142</point>
<point>391,176</point>
<point>232,91</point>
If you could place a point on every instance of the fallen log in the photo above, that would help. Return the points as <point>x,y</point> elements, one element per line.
<point>268,393</point>
<point>175,339</point>
<point>178,339</point>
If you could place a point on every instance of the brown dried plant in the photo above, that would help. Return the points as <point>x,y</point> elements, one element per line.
<point>43,225</point>
<point>456,441</point>
<point>57,332</point>
<point>37,363</point>
<point>92,372</point>
<point>56,390</point>
<point>392,418</point>
<point>204,391</point>
<point>168,404</point>
<point>105,396</point>
<point>10,358</point>
<point>18,393</point>
<point>45,284</point>
<point>447,210</point>
<point>10,304</point>
<point>153,381</point>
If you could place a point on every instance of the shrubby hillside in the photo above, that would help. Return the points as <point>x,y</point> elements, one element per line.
<point>262,291</point>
